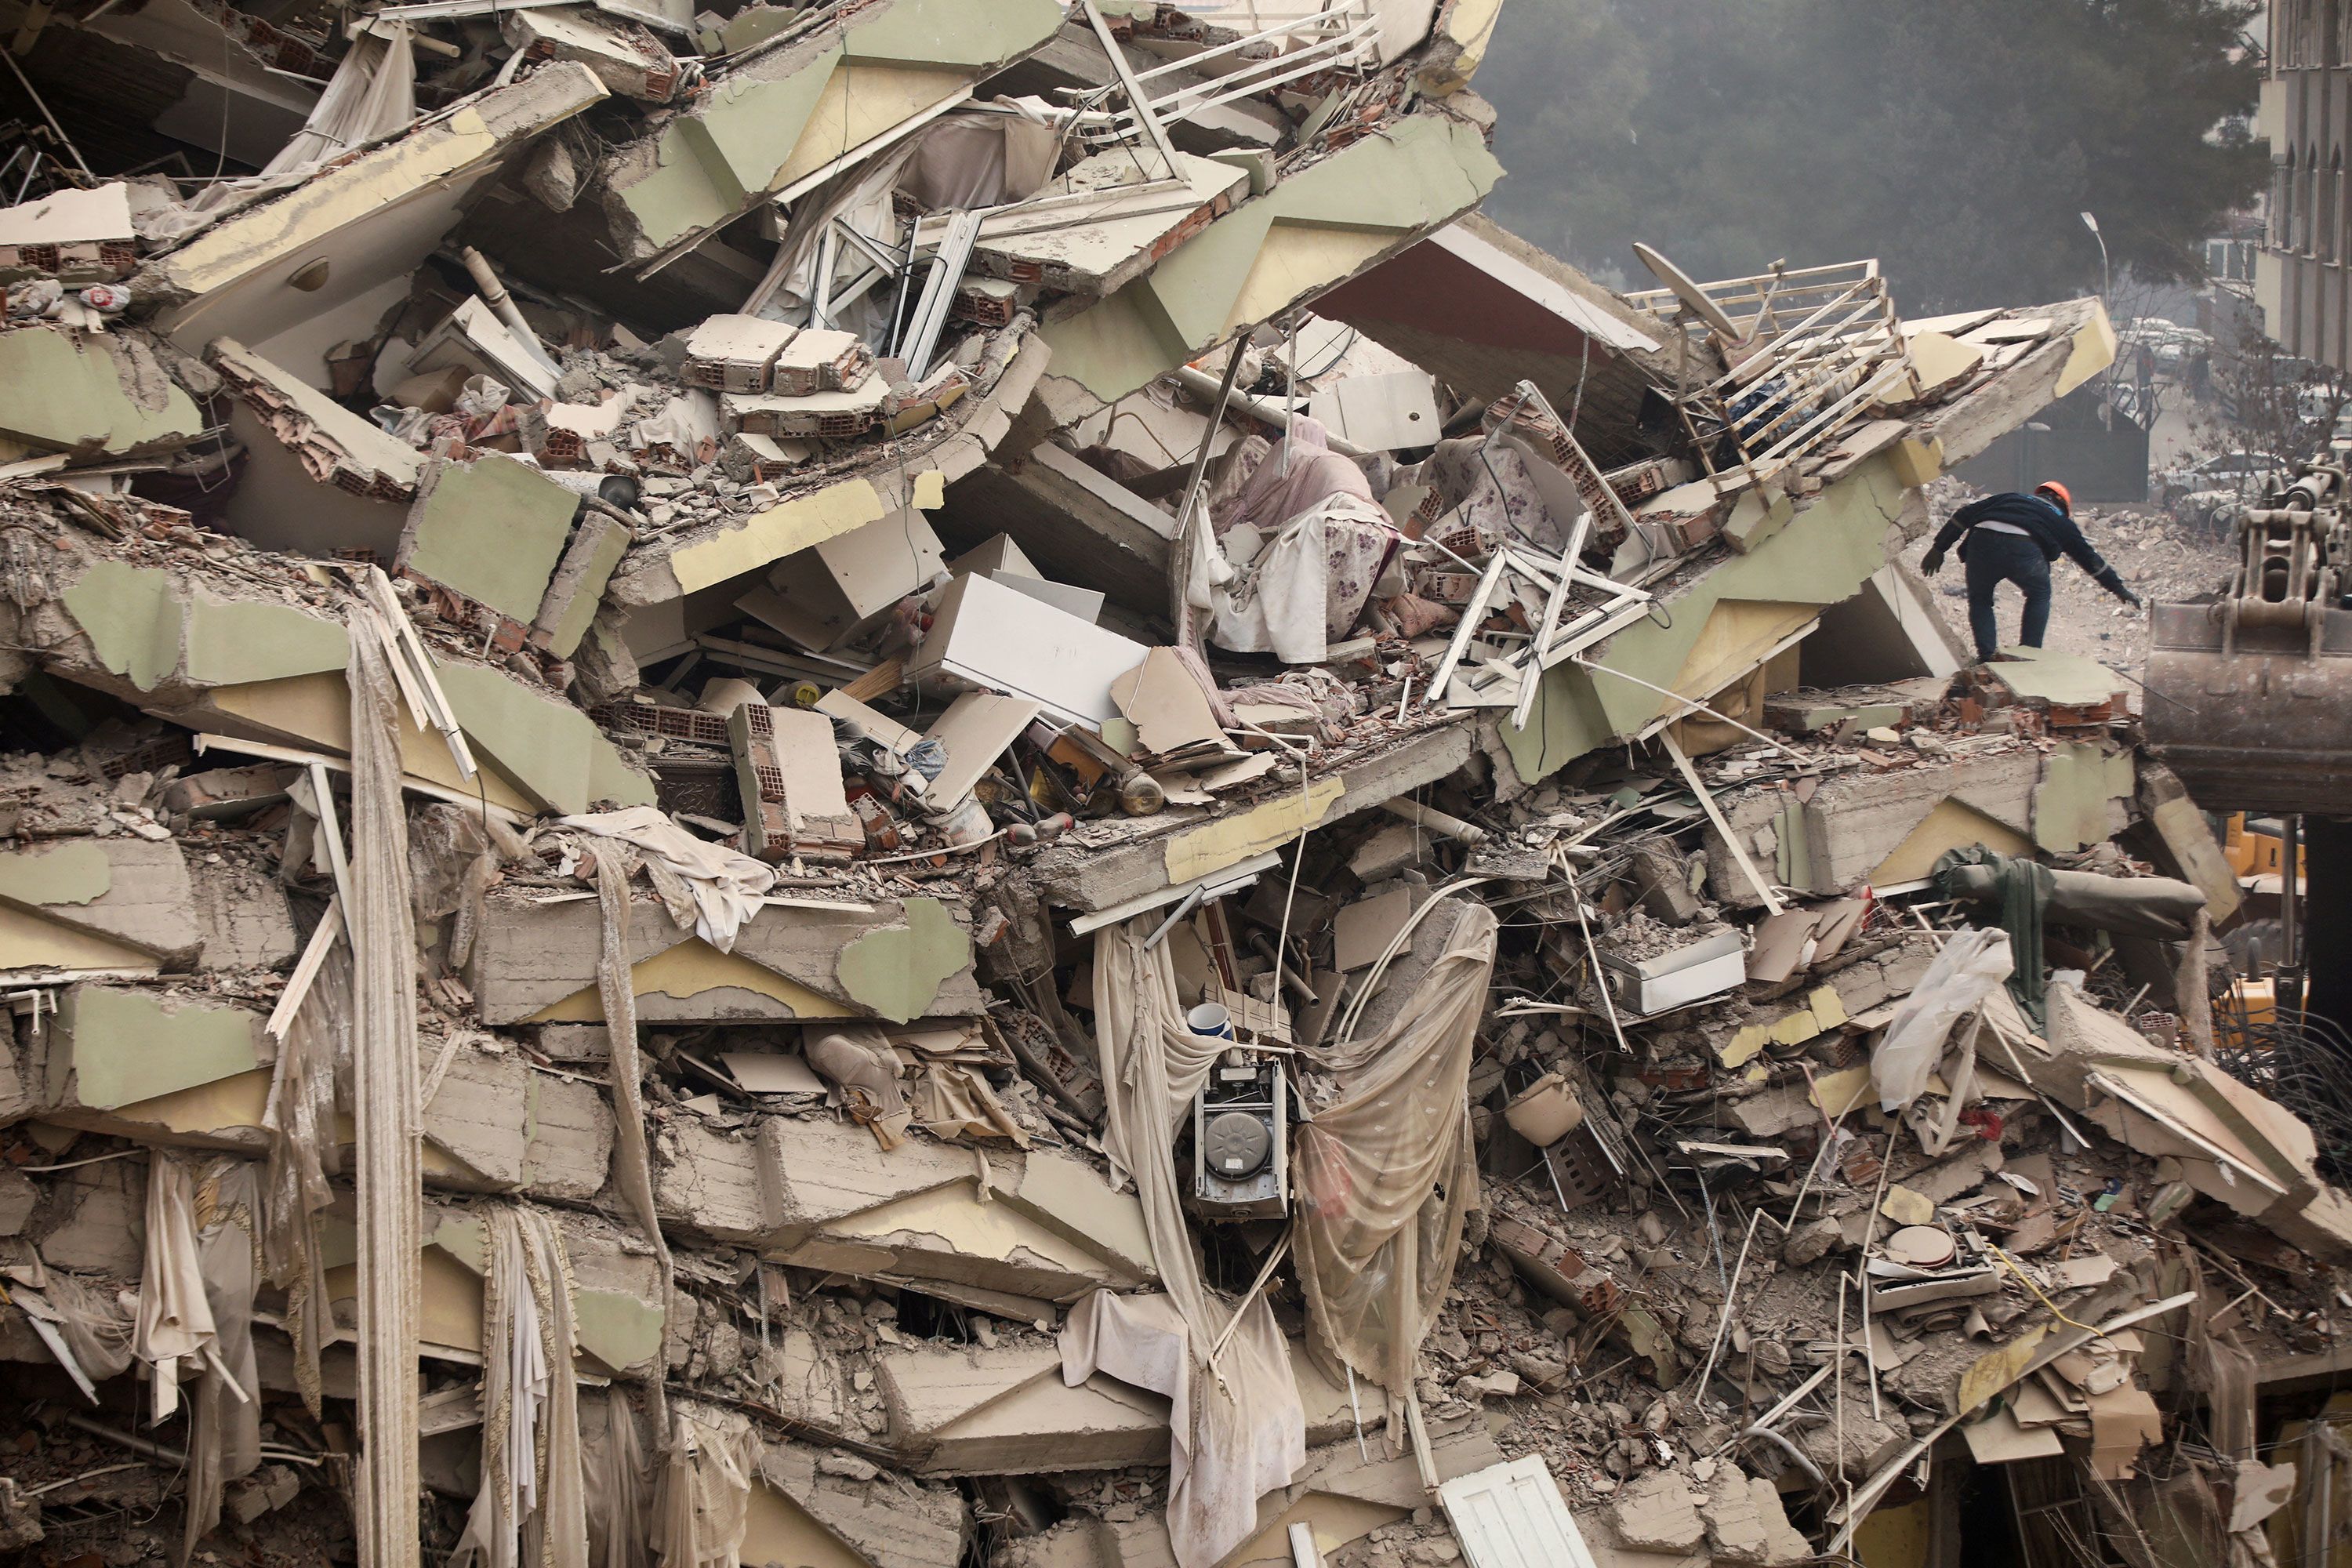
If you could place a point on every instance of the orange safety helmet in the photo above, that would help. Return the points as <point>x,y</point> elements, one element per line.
<point>2059,493</point>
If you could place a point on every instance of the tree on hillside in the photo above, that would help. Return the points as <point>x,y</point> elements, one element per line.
<point>1958,140</point>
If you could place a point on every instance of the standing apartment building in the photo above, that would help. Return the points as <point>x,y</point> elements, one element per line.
<point>2301,277</point>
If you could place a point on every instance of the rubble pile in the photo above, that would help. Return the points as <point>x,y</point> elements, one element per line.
<point>908,785</point>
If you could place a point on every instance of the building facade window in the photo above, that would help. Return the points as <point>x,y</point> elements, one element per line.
<point>2306,203</point>
<point>2331,202</point>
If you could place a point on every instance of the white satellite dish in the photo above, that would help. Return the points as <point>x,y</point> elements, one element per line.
<point>1689,293</point>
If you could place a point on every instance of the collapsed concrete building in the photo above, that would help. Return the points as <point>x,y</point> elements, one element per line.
<point>905,783</point>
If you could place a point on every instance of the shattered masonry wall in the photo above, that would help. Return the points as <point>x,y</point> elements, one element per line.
<point>408,558</point>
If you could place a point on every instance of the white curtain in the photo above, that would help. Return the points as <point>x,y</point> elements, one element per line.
<point>371,94</point>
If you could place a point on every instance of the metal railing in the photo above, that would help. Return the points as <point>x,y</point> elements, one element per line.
<point>1812,348</point>
<point>1287,42</point>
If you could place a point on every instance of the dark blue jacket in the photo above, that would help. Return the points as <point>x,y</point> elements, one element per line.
<point>2048,527</point>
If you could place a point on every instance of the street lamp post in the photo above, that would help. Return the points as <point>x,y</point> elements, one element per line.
<point>2092,223</point>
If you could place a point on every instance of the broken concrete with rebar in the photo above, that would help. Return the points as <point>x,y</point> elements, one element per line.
<point>915,783</point>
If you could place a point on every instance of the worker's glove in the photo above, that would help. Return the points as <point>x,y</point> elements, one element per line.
<point>2127,597</point>
<point>1932,563</point>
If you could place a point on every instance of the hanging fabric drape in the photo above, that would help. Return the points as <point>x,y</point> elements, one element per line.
<point>1386,1178</point>
<point>371,94</point>
<point>304,1150</point>
<point>175,1321</point>
<point>702,1504</point>
<point>633,1157</point>
<point>619,1499</point>
<point>531,1509</point>
<point>1239,1429</point>
<point>225,1436</point>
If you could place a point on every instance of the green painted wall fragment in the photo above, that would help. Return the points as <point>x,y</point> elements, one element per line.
<point>551,749</point>
<point>1821,557</point>
<point>572,624</point>
<point>2065,678</point>
<point>465,1239</point>
<point>339,1241</point>
<point>128,1046</point>
<point>897,972</point>
<point>2079,778</point>
<point>716,159</point>
<point>75,873</point>
<point>1755,520</point>
<point>61,396</point>
<point>1418,176</point>
<point>492,529</point>
<point>754,25</point>
<point>236,640</point>
<point>132,617</point>
<point>620,1330</point>
<point>1793,855</point>
<point>970,34</point>
<point>710,160</point>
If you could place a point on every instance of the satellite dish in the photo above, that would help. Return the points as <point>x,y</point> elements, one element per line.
<point>1689,293</point>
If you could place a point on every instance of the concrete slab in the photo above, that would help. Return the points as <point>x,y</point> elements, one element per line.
<point>536,963</point>
<point>1885,827</point>
<point>124,890</point>
<point>90,394</point>
<point>822,1195</point>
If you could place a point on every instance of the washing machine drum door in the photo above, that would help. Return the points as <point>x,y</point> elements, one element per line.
<point>1236,1145</point>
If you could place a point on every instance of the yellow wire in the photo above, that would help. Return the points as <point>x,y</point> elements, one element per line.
<point>2012,1263</point>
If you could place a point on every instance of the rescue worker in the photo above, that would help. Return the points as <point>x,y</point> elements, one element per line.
<point>2010,538</point>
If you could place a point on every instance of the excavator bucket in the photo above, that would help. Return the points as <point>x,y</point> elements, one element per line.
<point>2265,725</point>
<point>2250,697</point>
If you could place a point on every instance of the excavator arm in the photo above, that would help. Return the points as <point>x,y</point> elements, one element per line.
<point>2250,694</point>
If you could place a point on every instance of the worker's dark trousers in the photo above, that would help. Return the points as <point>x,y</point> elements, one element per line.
<point>1994,558</point>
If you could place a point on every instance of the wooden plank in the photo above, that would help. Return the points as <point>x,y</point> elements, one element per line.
<point>1773,904</point>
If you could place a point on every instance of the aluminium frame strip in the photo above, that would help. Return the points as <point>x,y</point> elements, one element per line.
<point>921,337</point>
<point>1140,106</point>
<point>413,665</point>
<point>1531,677</point>
<point>306,970</point>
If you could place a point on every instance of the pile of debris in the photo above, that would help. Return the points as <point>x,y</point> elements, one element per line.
<point>753,812</point>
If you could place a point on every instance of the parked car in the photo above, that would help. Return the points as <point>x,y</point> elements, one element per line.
<point>2247,475</point>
